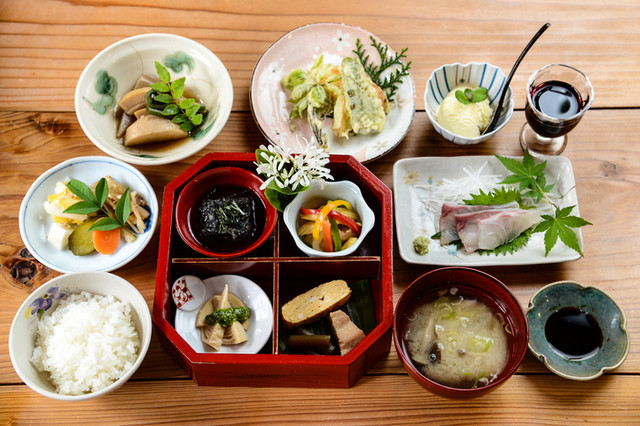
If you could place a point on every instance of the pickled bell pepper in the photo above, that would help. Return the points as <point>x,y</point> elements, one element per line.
<point>335,235</point>
<point>326,235</point>
<point>339,217</point>
<point>324,212</point>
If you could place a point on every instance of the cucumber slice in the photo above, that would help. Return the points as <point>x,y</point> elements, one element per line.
<point>80,240</point>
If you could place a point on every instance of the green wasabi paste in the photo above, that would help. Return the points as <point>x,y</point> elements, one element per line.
<point>421,245</point>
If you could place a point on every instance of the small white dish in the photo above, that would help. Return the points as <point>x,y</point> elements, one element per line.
<point>22,335</point>
<point>421,184</point>
<point>124,61</point>
<point>480,74</point>
<point>261,321</point>
<point>341,190</point>
<point>34,222</point>
<point>188,292</point>
<point>298,49</point>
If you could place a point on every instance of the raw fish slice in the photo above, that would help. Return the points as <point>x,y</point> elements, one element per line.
<point>448,230</point>
<point>487,230</point>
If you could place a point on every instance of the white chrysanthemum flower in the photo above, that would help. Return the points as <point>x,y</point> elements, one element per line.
<point>281,165</point>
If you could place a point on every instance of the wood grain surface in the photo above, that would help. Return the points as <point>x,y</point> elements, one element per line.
<point>44,46</point>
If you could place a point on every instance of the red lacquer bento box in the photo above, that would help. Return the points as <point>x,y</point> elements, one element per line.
<point>282,271</point>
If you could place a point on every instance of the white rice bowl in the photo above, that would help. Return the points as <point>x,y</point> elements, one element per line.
<point>80,335</point>
<point>86,344</point>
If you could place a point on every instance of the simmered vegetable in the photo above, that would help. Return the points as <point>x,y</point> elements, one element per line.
<point>157,110</point>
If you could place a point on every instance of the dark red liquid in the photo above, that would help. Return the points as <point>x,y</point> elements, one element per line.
<point>558,100</point>
<point>573,333</point>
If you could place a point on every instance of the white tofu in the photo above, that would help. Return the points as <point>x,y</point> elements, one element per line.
<point>59,236</point>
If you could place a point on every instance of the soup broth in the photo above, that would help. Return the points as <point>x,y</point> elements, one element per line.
<point>457,341</point>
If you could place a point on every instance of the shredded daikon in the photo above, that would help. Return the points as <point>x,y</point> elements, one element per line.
<point>455,190</point>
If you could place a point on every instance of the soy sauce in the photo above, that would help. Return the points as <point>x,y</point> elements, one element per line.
<point>573,333</point>
<point>558,100</point>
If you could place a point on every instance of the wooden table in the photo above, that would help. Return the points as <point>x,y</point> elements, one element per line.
<point>45,44</point>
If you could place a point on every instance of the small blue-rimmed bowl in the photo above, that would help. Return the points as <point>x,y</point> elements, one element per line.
<point>480,74</point>
<point>608,314</point>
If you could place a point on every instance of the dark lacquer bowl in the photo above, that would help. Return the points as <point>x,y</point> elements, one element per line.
<point>471,284</point>
<point>226,181</point>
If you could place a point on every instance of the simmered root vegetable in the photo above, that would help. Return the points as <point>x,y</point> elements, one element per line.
<point>329,226</point>
<point>106,242</point>
<point>157,110</point>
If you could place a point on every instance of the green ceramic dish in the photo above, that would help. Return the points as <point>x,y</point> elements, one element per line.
<point>608,314</point>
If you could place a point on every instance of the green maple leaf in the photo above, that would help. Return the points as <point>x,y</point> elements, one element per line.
<point>560,226</point>
<point>528,175</point>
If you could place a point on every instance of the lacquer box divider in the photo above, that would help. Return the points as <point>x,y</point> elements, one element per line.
<point>282,271</point>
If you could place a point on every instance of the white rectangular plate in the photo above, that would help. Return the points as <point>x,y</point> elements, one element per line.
<point>419,185</point>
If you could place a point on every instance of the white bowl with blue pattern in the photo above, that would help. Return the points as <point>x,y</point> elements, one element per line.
<point>34,222</point>
<point>480,74</point>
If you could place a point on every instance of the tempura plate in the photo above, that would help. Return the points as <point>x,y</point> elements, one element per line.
<point>298,49</point>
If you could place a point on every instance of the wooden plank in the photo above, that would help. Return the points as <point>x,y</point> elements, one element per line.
<point>392,399</point>
<point>45,45</point>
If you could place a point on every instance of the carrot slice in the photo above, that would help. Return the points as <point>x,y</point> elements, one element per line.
<point>326,235</point>
<point>106,242</point>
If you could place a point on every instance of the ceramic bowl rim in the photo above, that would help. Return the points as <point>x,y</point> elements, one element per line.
<point>182,225</point>
<point>541,356</point>
<point>223,113</point>
<point>145,322</point>
<point>462,140</point>
<point>290,218</point>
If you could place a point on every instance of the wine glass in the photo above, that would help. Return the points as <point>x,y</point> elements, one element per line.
<point>557,97</point>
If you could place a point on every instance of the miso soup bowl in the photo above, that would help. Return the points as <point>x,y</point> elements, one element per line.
<point>470,283</point>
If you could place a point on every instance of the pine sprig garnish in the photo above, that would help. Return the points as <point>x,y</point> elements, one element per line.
<point>389,83</point>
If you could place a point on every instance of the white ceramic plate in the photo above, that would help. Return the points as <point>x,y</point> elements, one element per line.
<point>298,49</point>
<point>34,222</point>
<point>418,185</point>
<point>124,61</point>
<point>261,321</point>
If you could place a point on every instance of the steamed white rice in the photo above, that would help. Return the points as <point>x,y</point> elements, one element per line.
<point>87,343</point>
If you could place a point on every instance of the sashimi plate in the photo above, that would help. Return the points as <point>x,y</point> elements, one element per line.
<point>421,185</point>
<point>298,49</point>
